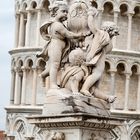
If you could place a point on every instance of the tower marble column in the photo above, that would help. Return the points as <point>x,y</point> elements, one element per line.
<point>28,24</point>
<point>112,83</point>
<point>116,13</point>
<point>127,85</point>
<point>12,86</point>
<point>38,27</point>
<point>24,80</point>
<point>138,93</point>
<point>22,30</point>
<point>129,31</point>
<point>17,24</point>
<point>17,98</point>
<point>34,87</point>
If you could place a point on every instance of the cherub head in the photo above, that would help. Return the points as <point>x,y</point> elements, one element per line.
<point>111,28</point>
<point>59,10</point>
<point>76,57</point>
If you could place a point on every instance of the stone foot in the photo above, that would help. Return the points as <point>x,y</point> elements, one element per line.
<point>53,86</point>
<point>76,93</point>
<point>86,93</point>
<point>111,99</point>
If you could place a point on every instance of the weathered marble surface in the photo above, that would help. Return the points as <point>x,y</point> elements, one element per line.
<point>62,101</point>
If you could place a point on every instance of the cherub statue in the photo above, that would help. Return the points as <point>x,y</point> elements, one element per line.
<point>55,32</point>
<point>101,45</point>
<point>75,72</point>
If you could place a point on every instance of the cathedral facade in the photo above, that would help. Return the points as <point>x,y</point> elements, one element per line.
<point>121,75</point>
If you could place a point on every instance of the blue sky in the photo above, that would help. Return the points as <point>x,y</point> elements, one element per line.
<point>7,20</point>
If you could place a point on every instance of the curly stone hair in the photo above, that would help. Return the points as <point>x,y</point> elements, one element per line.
<point>53,8</point>
<point>110,27</point>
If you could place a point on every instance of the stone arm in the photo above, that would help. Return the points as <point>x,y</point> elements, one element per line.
<point>68,34</point>
<point>91,20</point>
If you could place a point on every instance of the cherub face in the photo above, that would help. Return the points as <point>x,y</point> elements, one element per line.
<point>114,31</point>
<point>111,28</point>
<point>62,13</point>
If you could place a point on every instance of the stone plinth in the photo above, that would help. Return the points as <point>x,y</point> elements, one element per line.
<point>75,117</point>
<point>62,101</point>
<point>77,126</point>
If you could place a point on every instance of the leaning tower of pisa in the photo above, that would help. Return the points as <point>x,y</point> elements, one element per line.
<point>121,75</point>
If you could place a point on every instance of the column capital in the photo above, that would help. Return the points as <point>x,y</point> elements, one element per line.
<point>128,74</point>
<point>39,68</point>
<point>112,70</point>
<point>22,11</point>
<point>23,68</point>
<point>30,10</point>
<point>116,10</point>
<point>38,9</point>
<point>100,10</point>
<point>116,13</point>
<point>17,14</point>
<point>130,14</point>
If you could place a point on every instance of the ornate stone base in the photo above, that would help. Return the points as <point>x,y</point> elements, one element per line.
<point>76,127</point>
<point>75,117</point>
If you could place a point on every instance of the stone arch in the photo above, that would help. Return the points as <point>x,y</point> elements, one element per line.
<point>19,62</point>
<point>33,4</point>
<point>17,6</point>
<point>111,62</point>
<point>19,118</point>
<point>95,4</point>
<point>133,129</point>
<point>40,63</point>
<point>137,66</point>
<point>137,10</point>
<point>107,65</point>
<point>44,4</point>
<point>107,14</point>
<point>124,8</point>
<point>23,5</point>
<point>124,65</point>
<point>110,2</point>
<point>28,62</point>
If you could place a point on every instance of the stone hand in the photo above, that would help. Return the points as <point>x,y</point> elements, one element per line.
<point>38,54</point>
<point>92,11</point>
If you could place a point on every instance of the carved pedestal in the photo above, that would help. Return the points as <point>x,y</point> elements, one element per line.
<point>77,127</point>
<point>68,117</point>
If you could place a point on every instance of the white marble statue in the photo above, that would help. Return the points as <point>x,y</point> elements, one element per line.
<point>75,72</point>
<point>55,32</point>
<point>76,54</point>
<point>101,45</point>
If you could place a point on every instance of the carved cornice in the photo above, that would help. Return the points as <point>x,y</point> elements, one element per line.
<point>82,121</point>
<point>22,50</point>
